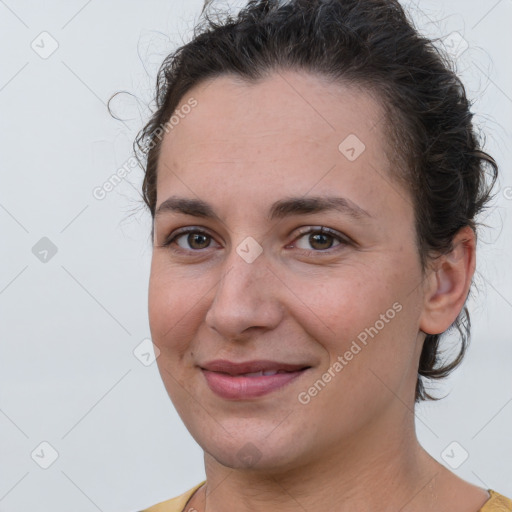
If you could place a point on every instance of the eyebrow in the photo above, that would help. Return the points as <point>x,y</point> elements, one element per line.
<point>279,210</point>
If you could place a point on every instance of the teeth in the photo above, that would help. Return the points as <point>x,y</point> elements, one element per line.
<point>254,374</point>
<point>261,373</point>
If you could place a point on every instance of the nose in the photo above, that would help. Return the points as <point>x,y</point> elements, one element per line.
<point>246,298</point>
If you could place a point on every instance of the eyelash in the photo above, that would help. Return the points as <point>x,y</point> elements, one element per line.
<point>343,240</point>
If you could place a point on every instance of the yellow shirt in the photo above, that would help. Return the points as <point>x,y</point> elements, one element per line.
<point>496,503</point>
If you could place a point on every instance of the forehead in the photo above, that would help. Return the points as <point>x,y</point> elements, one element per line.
<point>290,129</point>
<point>288,103</point>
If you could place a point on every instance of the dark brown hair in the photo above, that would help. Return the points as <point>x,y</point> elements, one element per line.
<point>371,44</point>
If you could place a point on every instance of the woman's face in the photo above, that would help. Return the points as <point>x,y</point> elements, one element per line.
<point>254,171</point>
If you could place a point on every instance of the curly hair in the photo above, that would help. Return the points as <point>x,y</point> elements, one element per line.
<point>371,44</point>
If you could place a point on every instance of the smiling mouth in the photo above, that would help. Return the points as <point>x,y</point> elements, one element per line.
<point>233,382</point>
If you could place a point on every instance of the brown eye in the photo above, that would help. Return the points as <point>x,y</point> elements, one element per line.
<point>195,240</point>
<point>319,239</point>
<point>189,239</point>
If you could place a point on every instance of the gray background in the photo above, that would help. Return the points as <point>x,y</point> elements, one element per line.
<point>69,325</point>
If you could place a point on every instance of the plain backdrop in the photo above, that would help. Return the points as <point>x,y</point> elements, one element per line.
<point>76,393</point>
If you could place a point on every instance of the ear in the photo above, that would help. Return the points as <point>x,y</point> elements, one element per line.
<point>448,284</point>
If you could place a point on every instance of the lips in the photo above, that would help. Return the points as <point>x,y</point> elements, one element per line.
<point>251,379</point>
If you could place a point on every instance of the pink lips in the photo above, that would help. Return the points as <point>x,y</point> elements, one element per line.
<point>230,380</point>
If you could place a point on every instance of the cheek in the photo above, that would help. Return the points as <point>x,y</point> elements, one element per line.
<point>174,309</point>
<point>341,304</point>
<point>365,314</point>
<point>368,355</point>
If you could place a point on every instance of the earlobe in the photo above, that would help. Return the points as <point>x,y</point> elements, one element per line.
<point>449,283</point>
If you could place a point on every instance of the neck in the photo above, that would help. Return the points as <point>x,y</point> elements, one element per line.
<point>382,467</point>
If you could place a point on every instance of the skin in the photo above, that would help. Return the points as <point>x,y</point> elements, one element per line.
<point>353,446</point>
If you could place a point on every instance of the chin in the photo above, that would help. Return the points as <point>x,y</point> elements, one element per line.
<point>251,459</point>
<point>251,453</point>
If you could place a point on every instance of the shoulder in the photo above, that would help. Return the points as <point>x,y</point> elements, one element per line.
<point>176,504</point>
<point>497,503</point>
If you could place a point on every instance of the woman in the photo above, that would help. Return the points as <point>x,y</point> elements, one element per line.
<point>314,179</point>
